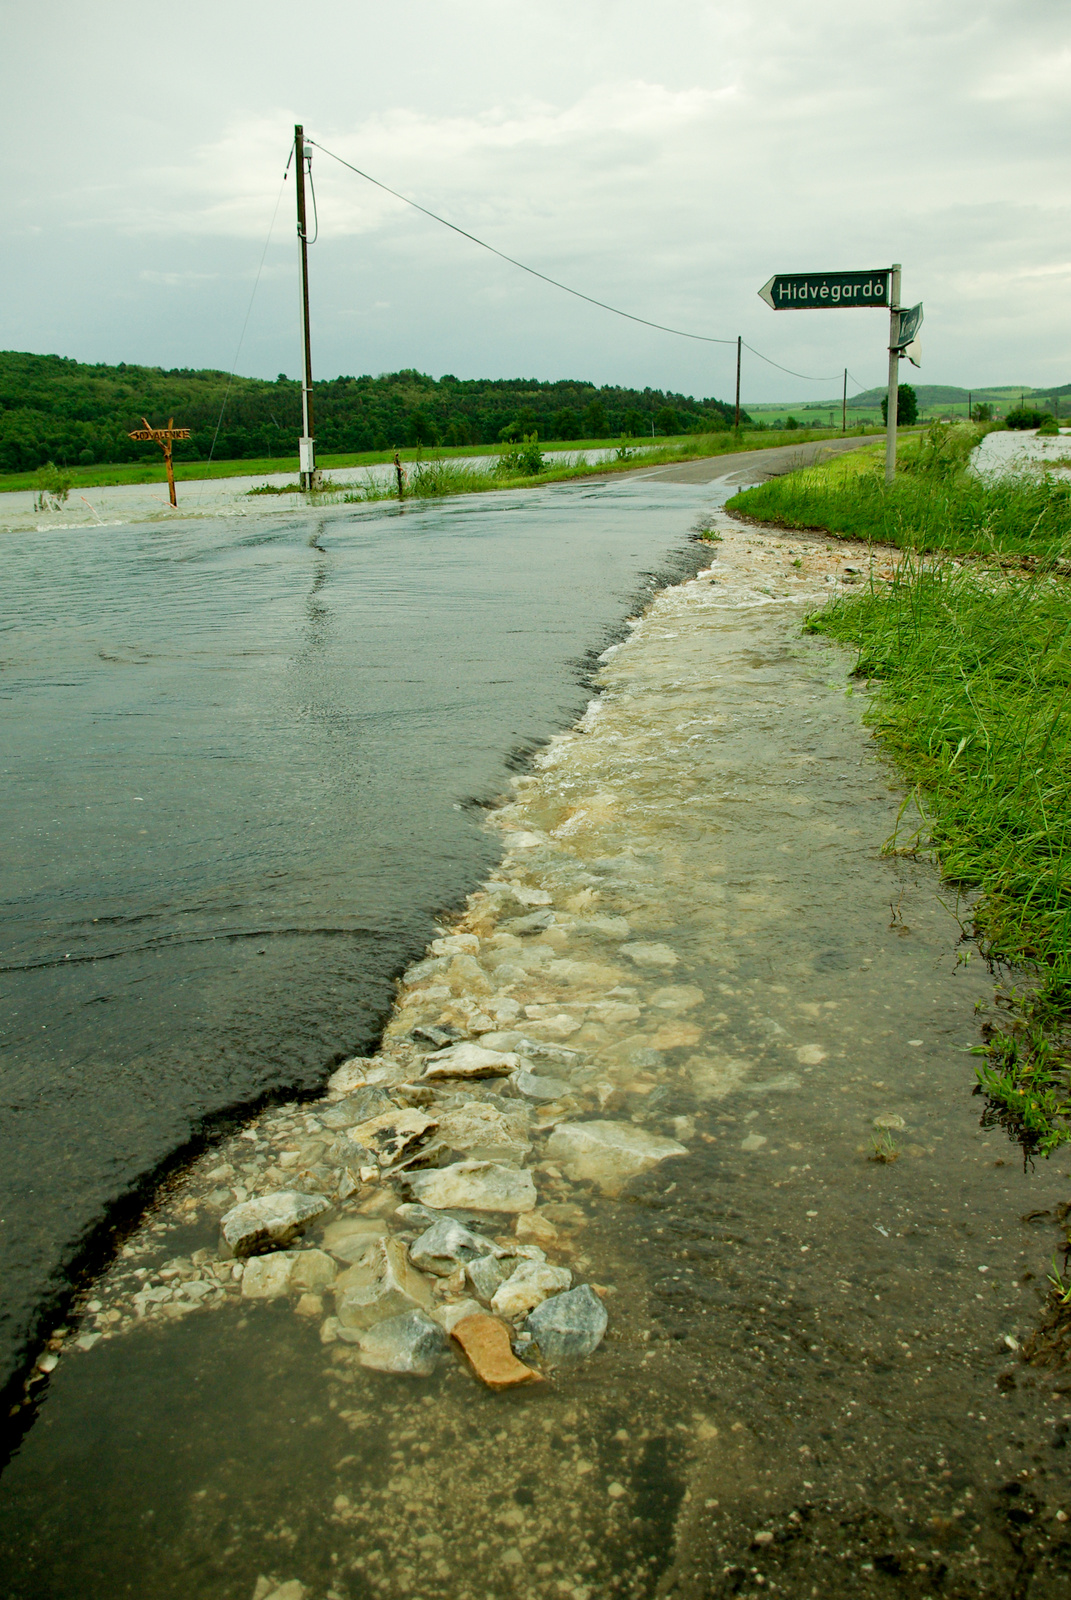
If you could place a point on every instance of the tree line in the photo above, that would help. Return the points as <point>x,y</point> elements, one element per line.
<point>77,414</point>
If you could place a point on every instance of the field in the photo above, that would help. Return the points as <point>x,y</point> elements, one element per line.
<point>684,446</point>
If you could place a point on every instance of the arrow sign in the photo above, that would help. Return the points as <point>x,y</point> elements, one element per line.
<point>826,291</point>
<point>910,323</point>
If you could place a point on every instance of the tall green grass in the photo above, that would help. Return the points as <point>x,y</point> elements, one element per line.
<point>933,503</point>
<point>972,658</point>
<point>975,704</point>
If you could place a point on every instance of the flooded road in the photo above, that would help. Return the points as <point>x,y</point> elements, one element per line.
<point>816,1285</point>
<point>242,770</point>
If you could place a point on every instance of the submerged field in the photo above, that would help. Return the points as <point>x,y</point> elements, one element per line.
<point>970,643</point>
<point>630,452</point>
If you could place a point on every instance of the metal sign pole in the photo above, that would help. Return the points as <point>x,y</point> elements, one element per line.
<point>893,403</point>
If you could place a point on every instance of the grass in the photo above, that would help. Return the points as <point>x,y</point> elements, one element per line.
<point>687,446</point>
<point>970,646</point>
<point>933,503</point>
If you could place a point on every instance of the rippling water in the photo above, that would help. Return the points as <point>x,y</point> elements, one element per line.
<point>240,764</point>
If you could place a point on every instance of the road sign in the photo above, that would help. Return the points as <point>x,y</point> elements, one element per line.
<point>163,437</point>
<point>826,291</point>
<point>910,323</point>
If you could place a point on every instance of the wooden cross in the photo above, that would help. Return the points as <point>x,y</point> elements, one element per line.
<point>163,437</point>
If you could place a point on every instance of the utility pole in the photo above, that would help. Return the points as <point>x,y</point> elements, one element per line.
<point>844,405</point>
<point>307,442</point>
<point>738,347</point>
<point>970,405</point>
<point>893,403</point>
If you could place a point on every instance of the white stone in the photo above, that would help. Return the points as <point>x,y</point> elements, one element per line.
<point>608,1152</point>
<point>485,1134</point>
<point>272,1218</point>
<point>409,1343</point>
<point>527,1287</point>
<point>268,1277</point>
<point>312,1270</point>
<point>350,1238</point>
<point>388,1136</point>
<point>448,1245</point>
<point>456,944</point>
<point>451,1313</point>
<point>474,1186</point>
<point>387,1286</point>
<point>470,1061</point>
<point>650,955</point>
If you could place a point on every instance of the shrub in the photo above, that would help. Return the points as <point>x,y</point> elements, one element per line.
<point>1049,427</point>
<point>1023,417</point>
<point>52,486</point>
<point>523,460</point>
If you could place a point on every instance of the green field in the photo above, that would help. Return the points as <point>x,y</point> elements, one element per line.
<point>970,649</point>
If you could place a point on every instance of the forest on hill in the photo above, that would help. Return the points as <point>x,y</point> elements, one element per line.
<point>77,414</point>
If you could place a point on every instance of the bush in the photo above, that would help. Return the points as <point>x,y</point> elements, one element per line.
<point>791,424</point>
<point>1024,417</point>
<point>1049,427</point>
<point>524,460</point>
<point>52,485</point>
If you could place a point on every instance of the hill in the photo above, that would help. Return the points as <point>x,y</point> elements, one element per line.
<point>55,409</point>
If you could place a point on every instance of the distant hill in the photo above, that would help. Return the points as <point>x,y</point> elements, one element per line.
<point>55,409</point>
<point>941,394</point>
<point>931,397</point>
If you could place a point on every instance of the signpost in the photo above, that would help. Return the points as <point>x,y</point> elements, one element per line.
<point>163,437</point>
<point>838,291</point>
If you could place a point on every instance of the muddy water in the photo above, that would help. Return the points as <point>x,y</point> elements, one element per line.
<point>808,1385</point>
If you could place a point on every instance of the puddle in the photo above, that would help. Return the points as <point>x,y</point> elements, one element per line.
<point>809,1382</point>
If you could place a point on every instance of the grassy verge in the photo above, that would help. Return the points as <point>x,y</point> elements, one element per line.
<point>431,477</point>
<point>972,658</point>
<point>933,503</point>
<point>686,447</point>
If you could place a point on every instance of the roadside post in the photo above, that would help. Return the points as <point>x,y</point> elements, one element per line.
<point>839,291</point>
<point>163,437</point>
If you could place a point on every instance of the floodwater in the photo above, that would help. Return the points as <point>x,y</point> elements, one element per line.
<point>115,505</point>
<point>242,770</point>
<point>809,1385</point>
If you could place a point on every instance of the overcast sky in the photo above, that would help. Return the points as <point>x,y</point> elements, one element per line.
<point>666,158</point>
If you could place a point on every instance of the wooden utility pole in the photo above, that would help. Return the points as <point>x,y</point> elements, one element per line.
<point>970,406</point>
<point>844,405</point>
<point>307,442</point>
<point>738,346</point>
<point>163,437</point>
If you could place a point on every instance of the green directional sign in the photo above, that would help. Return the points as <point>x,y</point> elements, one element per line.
<point>826,291</point>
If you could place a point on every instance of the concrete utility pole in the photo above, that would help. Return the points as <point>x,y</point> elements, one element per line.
<point>893,403</point>
<point>307,443</point>
<point>844,405</point>
<point>738,348</point>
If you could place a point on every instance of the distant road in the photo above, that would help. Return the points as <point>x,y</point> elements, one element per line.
<point>755,466</point>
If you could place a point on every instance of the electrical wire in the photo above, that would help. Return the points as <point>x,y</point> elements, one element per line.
<point>245,324</point>
<point>602,304</point>
<point>680,333</point>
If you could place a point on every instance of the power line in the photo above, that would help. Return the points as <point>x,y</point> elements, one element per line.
<point>248,312</point>
<point>680,333</point>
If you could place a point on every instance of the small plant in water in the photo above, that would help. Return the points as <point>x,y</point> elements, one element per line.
<point>52,486</point>
<point>1061,1285</point>
<point>885,1148</point>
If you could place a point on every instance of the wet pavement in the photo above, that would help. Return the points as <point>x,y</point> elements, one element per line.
<point>810,1384</point>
